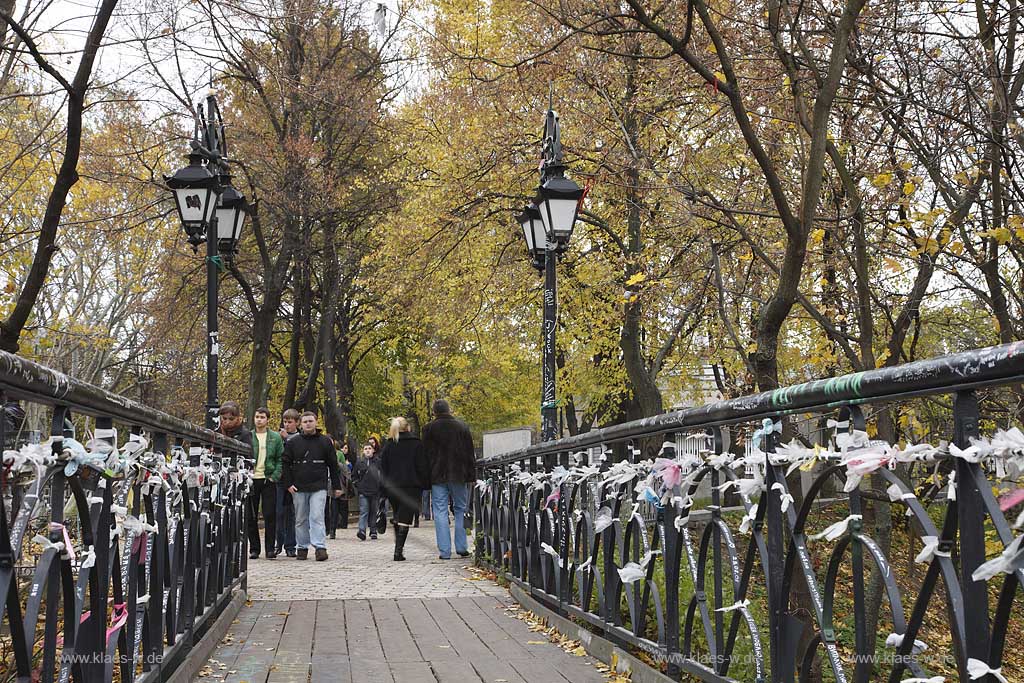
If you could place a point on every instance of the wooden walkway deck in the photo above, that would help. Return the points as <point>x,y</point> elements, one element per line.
<point>361,618</point>
<point>440,640</point>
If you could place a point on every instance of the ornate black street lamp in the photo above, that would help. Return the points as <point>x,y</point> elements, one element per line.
<point>211,211</point>
<point>547,225</point>
<point>533,232</point>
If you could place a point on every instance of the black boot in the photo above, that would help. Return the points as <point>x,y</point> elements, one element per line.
<point>401,532</point>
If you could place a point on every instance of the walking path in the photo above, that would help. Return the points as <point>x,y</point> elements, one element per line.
<point>359,617</point>
<point>364,569</point>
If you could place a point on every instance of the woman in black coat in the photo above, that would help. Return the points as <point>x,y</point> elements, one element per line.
<point>406,472</point>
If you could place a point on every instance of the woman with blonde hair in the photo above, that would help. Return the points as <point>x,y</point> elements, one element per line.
<point>406,472</point>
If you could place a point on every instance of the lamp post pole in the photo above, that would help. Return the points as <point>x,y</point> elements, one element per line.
<point>211,140</point>
<point>547,224</point>
<point>551,167</point>
<point>548,405</point>
<point>210,209</point>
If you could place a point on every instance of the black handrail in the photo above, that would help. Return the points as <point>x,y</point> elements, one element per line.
<point>25,379</point>
<point>686,605</point>
<point>975,369</point>
<point>153,550</point>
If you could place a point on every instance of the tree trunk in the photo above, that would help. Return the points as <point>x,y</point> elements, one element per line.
<point>647,397</point>
<point>262,336</point>
<point>334,422</point>
<point>293,356</point>
<point>66,178</point>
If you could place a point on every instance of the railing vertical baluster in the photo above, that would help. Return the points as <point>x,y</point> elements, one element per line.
<point>152,635</point>
<point>863,645</point>
<point>478,540</point>
<point>971,519</point>
<point>191,552</point>
<point>53,579</point>
<point>718,661</point>
<point>104,432</point>
<point>172,561</point>
<point>782,666</point>
<point>671,556</point>
<point>565,522</point>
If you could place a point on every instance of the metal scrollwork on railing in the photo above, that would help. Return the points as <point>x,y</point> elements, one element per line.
<point>117,552</point>
<point>728,545</point>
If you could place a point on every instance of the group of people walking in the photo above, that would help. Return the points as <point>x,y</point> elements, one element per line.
<point>303,479</point>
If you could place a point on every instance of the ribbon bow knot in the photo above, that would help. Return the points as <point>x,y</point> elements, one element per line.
<point>978,669</point>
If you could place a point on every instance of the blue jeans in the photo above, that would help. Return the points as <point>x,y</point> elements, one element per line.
<point>460,497</point>
<point>285,520</point>
<point>309,519</point>
<point>368,513</point>
<point>425,505</point>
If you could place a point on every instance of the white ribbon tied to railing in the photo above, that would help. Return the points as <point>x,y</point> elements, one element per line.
<point>864,461</point>
<point>834,531</point>
<point>38,456</point>
<point>88,558</point>
<point>796,455</point>
<point>553,553</point>
<point>69,548</point>
<point>787,497</point>
<point>633,571</point>
<point>748,519</point>
<point>1009,561</point>
<point>722,461</point>
<point>742,605</point>
<point>47,543</point>
<point>558,475</point>
<point>930,550</point>
<point>847,441</point>
<point>896,493</point>
<point>137,526</point>
<point>895,640</point>
<point>603,520</point>
<point>978,669</point>
<point>621,472</point>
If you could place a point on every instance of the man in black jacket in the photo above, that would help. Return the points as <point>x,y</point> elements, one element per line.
<point>308,462</point>
<point>448,444</point>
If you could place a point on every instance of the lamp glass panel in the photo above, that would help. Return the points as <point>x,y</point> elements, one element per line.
<point>540,238</point>
<point>559,216</point>
<point>226,222</point>
<point>527,227</point>
<point>195,205</point>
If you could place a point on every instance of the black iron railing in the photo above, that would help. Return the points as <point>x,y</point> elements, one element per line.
<point>118,549</point>
<point>639,545</point>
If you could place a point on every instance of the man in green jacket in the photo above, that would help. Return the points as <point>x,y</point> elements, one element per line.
<point>267,447</point>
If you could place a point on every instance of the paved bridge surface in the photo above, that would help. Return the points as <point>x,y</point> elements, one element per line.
<point>360,617</point>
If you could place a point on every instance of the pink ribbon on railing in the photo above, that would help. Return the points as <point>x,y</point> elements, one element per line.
<point>68,548</point>
<point>669,471</point>
<point>140,545</point>
<point>118,616</point>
